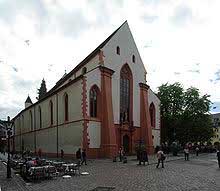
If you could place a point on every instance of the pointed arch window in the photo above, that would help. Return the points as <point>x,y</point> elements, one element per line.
<point>51,113</point>
<point>152,115</point>
<point>22,121</point>
<point>66,109</point>
<point>84,70</point>
<point>125,93</point>
<point>40,117</point>
<point>31,121</point>
<point>94,99</point>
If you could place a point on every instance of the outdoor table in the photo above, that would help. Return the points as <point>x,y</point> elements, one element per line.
<point>36,172</point>
<point>58,166</point>
<point>70,168</point>
<point>49,170</point>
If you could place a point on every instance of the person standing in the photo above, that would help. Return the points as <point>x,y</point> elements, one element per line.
<point>84,157</point>
<point>62,154</point>
<point>79,155</point>
<point>145,157</point>
<point>186,153</point>
<point>197,151</point>
<point>218,157</point>
<point>39,153</point>
<point>120,152</point>
<point>160,157</point>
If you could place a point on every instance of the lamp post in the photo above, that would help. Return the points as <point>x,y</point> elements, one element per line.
<point>8,128</point>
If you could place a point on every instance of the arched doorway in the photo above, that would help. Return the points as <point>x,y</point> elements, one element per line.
<point>126,143</point>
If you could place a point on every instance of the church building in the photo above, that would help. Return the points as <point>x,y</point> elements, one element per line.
<point>101,105</point>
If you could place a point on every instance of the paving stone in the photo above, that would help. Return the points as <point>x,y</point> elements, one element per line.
<point>198,174</point>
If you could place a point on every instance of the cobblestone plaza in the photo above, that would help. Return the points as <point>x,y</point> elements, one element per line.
<point>199,173</point>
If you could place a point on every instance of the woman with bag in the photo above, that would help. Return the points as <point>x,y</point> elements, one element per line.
<point>161,157</point>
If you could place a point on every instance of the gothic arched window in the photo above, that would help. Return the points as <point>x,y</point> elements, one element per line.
<point>152,115</point>
<point>31,121</point>
<point>66,110</point>
<point>51,112</point>
<point>40,117</point>
<point>125,93</point>
<point>93,100</point>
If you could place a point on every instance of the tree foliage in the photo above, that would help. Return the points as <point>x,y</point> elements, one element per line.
<point>42,90</point>
<point>184,114</point>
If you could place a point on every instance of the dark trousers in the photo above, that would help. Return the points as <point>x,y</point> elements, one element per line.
<point>158,163</point>
<point>219,163</point>
<point>186,156</point>
<point>120,157</point>
<point>84,161</point>
<point>197,153</point>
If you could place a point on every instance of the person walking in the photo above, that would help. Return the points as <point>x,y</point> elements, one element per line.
<point>218,157</point>
<point>160,157</point>
<point>186,153</point>
<point>197,151</point>
<point>78,156</point>
<point>144,157</point>
<point>84,157</point>
<point>120,152</point>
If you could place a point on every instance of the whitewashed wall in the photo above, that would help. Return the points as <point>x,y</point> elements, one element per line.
<point>123,38</point>
<point>92,78</point>
<point>94,132</point>
<point>155,132</point>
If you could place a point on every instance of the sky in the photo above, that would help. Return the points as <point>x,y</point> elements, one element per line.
<point>178,40</point>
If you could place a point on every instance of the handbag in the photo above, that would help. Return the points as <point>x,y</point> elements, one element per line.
<point>163,157</point>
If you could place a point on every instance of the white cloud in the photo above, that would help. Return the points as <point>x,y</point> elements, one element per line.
<point>172,37</point>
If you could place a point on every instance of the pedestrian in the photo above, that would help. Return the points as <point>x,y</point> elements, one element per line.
<point>39,152</point>
<point>186,153</point>
<point>120,152</point>
<point>139,155</point>
<point>197,151</point>
<point>62,154</point>
<point>160,157</point>
<point>78,156</point>
<point>145,157</point>
<point>218,157</point>
<point>84,157</point>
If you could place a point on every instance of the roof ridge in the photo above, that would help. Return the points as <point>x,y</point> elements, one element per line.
<point>85,60</point>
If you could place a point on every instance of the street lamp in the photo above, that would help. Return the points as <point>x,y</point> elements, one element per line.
<point>9,133</point>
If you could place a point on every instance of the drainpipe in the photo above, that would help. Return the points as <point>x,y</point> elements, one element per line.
<point>57,127</point>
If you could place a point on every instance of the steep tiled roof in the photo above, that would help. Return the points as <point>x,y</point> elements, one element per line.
<point>86,60</point>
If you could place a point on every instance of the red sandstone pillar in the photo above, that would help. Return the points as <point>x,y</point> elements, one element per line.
<point>108,135</point>
<point>146,131</point>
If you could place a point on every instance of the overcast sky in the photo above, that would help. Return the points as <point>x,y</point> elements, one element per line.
<point>178,40</point>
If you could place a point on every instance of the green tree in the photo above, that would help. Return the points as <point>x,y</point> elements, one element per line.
<point>171,97</point>
<point>184,114</point>
<point>42,90</point>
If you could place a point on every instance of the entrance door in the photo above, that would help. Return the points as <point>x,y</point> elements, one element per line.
<point>126,143</point>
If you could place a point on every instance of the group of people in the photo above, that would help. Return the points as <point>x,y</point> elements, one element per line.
<point>81,156</point>
<point>142,156</point>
